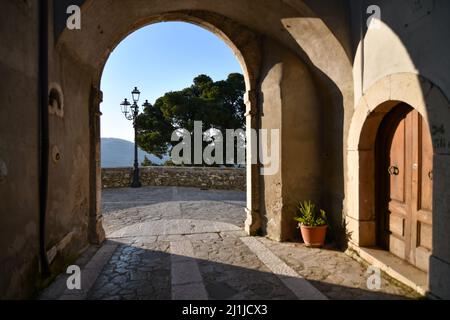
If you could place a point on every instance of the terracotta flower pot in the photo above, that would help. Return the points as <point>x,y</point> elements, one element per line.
<point>313,237</point>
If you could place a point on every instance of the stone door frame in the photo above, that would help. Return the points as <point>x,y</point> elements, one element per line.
<point>376,102</point>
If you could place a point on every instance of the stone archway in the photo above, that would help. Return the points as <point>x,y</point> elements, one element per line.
<point>372,108</point>
<point>245,45</point>
<point>280,75</point>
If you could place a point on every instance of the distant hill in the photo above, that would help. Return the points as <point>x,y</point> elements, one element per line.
<point>120,153</point>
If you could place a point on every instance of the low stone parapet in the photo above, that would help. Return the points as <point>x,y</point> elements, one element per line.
<point>200,177</point>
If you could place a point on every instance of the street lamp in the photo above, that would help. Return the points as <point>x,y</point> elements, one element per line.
<point>131,111</point>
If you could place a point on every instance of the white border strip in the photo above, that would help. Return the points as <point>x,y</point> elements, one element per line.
<point>291,279</point>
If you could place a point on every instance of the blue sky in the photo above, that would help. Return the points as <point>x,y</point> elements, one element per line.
<point>159,58</point>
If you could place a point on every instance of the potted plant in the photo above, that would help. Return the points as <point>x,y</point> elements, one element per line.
<point>313,224</point>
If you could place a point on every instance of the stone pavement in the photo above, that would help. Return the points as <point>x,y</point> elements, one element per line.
<point>187,243</point>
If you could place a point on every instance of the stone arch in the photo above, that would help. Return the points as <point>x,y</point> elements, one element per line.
<point>376,102</point>
<point>246,47</point>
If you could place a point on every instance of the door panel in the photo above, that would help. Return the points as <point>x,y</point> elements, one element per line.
<point>408,185</point>
<point>397,224</point>
<point>399,180</point>
<point>422,187</point>
<point>397,164</point>
<point>397,247</point>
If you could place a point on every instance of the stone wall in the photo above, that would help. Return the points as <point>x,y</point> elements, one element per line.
<point>212,178</point>
<point>19,208</point>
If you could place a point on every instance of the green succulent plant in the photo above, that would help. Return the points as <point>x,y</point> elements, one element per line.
<point>309,216</point>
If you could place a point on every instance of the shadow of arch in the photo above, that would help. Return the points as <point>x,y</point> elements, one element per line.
<point>406,37</point>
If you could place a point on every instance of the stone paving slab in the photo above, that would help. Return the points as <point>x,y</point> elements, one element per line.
<point>296,283</point>
<point>91,264</point>
<point>91,272</point>
<point>187,282</point>
<point>168,227</point>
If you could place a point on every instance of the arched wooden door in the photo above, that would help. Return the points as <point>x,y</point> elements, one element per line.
<point>405,173</point>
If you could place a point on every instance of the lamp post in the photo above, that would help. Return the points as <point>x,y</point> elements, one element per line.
<point>131,112</point>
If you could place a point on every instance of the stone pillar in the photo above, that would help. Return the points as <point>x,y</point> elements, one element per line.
<point>290,108</point>
<point>253,223</point>
<point>96,233</point>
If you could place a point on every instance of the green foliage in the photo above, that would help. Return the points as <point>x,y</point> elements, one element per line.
<point>308,215</point>
<point>154,131</point>
<point>147,162</point>
<point>219,105</point>
<point>169,163</point>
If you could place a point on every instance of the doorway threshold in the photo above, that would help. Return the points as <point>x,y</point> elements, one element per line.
<point>395,267</point>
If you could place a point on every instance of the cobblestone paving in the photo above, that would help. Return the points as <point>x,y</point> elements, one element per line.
<point>123,207</point>
<point>135,273</point>
<point>125,198</point>
<point>152,227</point>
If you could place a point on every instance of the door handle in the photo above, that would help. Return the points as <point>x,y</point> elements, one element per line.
<point>430,175</point>
<point>393,171</point>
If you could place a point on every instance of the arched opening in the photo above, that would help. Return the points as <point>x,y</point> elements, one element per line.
<point>390,221</point>
<point>163,233</point>
<point>178,74</point>
<point>248,59</point>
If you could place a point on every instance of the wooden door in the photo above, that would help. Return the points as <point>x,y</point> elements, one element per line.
<point>406,176</point>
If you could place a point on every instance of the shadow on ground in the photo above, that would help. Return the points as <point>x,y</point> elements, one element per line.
<point>136,273</point>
